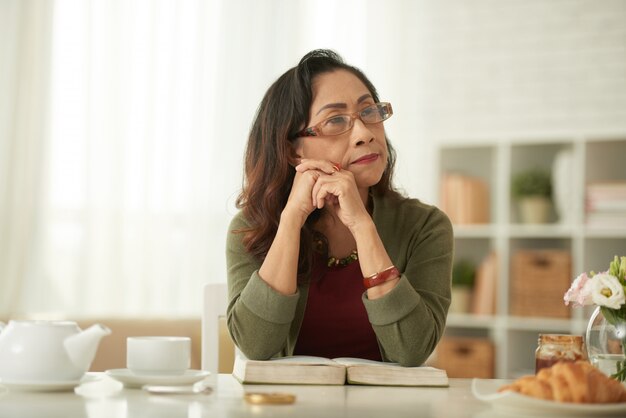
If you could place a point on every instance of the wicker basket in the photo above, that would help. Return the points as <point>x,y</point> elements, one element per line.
<point>539,279</point>
<point>465,357</point>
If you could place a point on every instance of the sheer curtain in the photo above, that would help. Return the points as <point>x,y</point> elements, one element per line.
<point>24,83</point>
<point>131,219</point>
<point>149,108</point>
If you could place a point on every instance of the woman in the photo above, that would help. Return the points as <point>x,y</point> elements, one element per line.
<point>325,257</point>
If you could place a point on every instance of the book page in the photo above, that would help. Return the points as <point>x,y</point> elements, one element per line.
<point>289,370</point>
<point>352,361</point>
<point>369,372</point>
<point>302,360</point>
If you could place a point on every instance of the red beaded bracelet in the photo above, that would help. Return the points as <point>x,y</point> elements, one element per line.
<point>381,277</point>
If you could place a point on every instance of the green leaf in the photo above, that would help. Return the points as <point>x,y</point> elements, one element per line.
<point>463,273</point>
<point>611,315</point>
<point>614,267</point>
<point>620,366</point>
<point>533,182</point>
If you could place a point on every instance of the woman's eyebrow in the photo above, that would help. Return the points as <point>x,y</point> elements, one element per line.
<point>365,96</point>
<point>332,105</point>
<point>343,105</point>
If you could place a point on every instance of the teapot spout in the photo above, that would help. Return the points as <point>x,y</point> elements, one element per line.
<point>81,348</point>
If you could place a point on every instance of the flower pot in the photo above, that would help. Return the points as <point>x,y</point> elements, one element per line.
<point>534,209</point>
<point>606,343</point>
<point>461,299</point>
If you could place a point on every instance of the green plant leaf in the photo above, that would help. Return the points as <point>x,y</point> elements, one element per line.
<point>611,315</point>
<point>534,182</point>
<point>614,267</point>
<point>463,273</point>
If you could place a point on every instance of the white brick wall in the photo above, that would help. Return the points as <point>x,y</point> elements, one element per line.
<point>524,65</point>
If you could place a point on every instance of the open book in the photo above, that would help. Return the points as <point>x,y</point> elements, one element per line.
<point>308,370</point>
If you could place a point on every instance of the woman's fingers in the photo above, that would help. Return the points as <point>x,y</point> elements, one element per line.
<point>331,185</point>
<point>315,191</point>
<point>328,186</point>
<point>325,166</point>
<point>300,196</point>
<point>332,188</point>
<point>325,197</point>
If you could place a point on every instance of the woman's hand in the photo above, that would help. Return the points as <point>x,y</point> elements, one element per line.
<point>336,190</point>
<point>299,202</point>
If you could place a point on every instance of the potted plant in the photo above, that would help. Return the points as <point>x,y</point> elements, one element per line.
<point>532,189</point>
<point>463,274</point>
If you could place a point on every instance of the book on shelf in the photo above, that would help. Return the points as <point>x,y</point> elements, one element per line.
<point>610,206</point>
<point>609,189</point>
<point>465,199</point>
<point>606,204</point>
<point>484,297</point>
<point>309,370</point>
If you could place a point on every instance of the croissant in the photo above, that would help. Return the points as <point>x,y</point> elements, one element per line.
<point>577,382</point>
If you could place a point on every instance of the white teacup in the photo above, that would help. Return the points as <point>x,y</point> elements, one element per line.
<point>158,355</point>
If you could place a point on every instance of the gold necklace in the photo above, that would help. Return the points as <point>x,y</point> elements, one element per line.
<point>321,247</point>
<point>342,262</point>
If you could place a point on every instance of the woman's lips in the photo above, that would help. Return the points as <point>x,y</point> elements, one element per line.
<point>366,159</point>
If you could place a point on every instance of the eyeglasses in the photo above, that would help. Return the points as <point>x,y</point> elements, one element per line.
<point>338,124</point>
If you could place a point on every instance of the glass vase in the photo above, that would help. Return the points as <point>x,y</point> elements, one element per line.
<point>606,344</point>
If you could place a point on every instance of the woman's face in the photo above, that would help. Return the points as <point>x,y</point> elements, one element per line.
<point>361,150</point>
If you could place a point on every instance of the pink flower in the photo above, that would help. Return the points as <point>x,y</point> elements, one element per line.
<point>580,291</point>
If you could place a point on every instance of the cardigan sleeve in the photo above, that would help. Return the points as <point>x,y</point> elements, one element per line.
<point>410,319</point>
<point>259,318</point>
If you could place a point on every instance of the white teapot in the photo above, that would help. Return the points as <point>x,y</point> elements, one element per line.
<point>47,351</point>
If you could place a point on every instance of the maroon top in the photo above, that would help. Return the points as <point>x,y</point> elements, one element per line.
<point>335,322</point>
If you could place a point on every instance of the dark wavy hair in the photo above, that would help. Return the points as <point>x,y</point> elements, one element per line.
<point>270,159</point>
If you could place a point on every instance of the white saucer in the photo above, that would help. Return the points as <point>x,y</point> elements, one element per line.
<point>50,386</point>
<point>134,380</point>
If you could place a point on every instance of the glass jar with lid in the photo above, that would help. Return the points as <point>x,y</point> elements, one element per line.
<point>553,348</point>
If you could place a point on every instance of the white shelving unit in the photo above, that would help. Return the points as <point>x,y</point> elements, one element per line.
<point>495,159</point>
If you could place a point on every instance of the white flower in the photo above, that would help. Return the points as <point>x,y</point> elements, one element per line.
<point>607,291</point>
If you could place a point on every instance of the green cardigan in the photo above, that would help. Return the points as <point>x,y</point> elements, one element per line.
<point>408,321</point>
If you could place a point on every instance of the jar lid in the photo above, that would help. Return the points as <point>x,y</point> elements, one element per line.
<point>560,338</point>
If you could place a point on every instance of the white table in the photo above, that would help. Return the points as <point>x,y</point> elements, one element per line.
<point>107,398</point>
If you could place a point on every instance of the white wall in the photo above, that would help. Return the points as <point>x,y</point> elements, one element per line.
<point>517,67</point>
